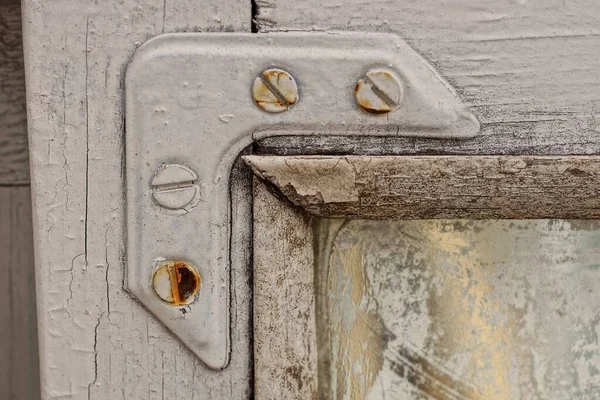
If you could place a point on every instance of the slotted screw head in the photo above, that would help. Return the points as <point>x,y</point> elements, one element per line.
<point>176,282</point>
<point>275,90</point>
<point>379,92</point>
<point>173,186</point>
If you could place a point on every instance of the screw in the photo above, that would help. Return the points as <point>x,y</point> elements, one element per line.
<point>379,92</point>
<point>173,186</point>
<point>275,90</point>
<point>176,282</point>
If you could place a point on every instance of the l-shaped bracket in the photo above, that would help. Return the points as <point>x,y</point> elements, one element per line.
<point>190,112</point>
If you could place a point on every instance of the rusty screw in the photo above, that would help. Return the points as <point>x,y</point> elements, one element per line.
<point>173,186</point>
<point>176,282</point>
<point>275,90</point>
<point>379,92</point>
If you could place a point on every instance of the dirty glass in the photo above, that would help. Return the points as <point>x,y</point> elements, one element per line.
<point>458,309</point>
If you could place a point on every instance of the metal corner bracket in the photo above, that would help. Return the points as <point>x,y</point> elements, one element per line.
<point>190,111</point>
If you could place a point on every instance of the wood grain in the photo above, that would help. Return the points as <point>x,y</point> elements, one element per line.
<point>14,159</point>
<point>527,69</point>
<point>19,373</point>
<point>97,341</point>
<point>285,340</point>
<point>420,187</point>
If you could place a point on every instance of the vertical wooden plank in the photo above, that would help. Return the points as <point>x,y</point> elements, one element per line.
<point>19,378</point>
<point>19,372</point>
<point>285,338</point>
<point>14,160</point>
<point>97,342</point>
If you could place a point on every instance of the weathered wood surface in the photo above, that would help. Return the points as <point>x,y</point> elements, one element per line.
<point>423,187</point>
<point>14,159</point>
<point>285,341</point>
<point>97,342</point>
<point>19,378</point>
<point>528,69</point>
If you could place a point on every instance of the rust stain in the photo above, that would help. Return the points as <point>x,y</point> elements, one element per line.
<point>282,82</point>
<point>365,103</point>
<point>386,74</point>
<point>185,282</point>
<point>379,92</point>
<point>275,90</point>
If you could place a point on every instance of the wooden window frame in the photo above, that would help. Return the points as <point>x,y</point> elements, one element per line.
<point>289,191</point>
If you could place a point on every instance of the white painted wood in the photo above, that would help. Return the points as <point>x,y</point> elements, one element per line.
<point>528,69</point>
<point>19,377</point>
<point>96,341</point>
<point>14,160</point>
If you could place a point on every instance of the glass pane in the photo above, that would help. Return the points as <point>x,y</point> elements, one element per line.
<point>459,309</point>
